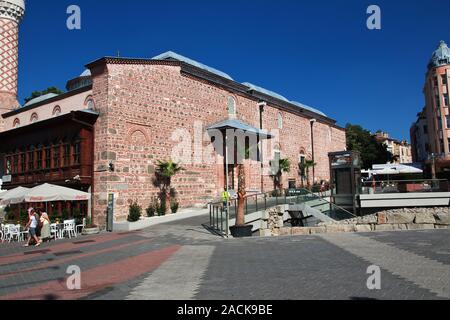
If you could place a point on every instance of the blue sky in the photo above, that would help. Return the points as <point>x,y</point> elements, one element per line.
<point>317,52</point>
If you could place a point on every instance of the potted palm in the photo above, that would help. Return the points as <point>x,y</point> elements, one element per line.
<point>90,228</point>
<point>240,229</point>
<point>304,169</point>
<point>284,166</point>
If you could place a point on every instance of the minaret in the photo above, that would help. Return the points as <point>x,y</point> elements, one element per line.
<point>11,13</point>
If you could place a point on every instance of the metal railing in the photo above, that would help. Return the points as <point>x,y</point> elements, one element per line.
<point>220,216</point>
<point>317,202</point>
<point>404,186</point>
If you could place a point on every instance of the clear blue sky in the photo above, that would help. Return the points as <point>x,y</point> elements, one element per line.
<point>317,52</point>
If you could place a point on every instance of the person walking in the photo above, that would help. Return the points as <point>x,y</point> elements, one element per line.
<point>225,198</point>
<point>44,225</point>
<point>32,226</point>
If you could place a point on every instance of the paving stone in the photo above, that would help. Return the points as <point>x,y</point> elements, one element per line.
<point>317,230</point>
<point>382,218</point>
<point>300,231</point>
<point>384,227</point>
<point>442,218</point>
<point>425,218</point>
<point>400,217</point>
<point>363,228</point>
<point>420,226</point>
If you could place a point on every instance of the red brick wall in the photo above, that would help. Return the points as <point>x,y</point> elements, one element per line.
<point>140,107</point>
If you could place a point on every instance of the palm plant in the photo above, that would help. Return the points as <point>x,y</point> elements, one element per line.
<point>284,166</point>
<point>304,169</point>
<point>240,215</point>
<point>165,172</point>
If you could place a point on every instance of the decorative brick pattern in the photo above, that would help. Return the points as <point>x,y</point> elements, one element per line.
<point>9,44</point>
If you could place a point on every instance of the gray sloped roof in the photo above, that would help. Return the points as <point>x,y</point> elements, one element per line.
<point>280,97</point>
<point>175,56</point>
<point>265,91</point>
<point>40,99</point>
<point>304,106</point>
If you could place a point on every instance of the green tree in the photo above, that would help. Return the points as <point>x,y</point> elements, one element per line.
<point>36,94</point>
<point>165,172</point>
<point>372,152</point>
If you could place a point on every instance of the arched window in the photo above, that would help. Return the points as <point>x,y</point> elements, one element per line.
<point>34,118</point>
<point>89,103</point>
<point>231,106</point>
<point>56,111</point>
<point>16,123</point>
<point>280,120</point>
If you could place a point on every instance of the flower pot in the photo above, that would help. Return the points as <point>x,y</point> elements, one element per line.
<point>89,231</point>
<point>241,231</point>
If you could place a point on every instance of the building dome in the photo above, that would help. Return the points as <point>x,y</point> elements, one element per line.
<point>86,73</point>
<point>12,9</point>
<point>441,56</point>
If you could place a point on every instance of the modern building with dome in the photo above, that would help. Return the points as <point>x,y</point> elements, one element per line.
<point>430,134</point>
<point>120,116</point>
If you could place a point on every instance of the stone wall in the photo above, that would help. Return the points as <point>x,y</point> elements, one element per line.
<point>387,220</point>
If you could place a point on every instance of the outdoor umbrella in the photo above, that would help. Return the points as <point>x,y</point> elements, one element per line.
<point>14,196</point>
<point>49,193</point>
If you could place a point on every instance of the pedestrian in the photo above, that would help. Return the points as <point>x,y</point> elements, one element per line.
<point>32,225</point>
<point>225,198</point>
<point>44,225</point>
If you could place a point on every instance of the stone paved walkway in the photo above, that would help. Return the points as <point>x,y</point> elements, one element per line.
<point>183,260</point>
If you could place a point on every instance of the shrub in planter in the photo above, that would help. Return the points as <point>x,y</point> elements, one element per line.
<point>174,205</point>
<point>90,228</point>
<point>161,208</point>
<point>151,210</point>
<point>135,212</point>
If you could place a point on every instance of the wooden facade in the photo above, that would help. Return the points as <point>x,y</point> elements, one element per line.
<point>56,151</point>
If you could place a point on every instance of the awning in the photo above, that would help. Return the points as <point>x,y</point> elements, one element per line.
<point>13,196</point>
<point>234,124</point>
<point>395,169</point>
<point>49,192</point>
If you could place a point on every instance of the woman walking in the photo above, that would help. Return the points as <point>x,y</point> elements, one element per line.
<point>44,224</point>
<point>32,226</point>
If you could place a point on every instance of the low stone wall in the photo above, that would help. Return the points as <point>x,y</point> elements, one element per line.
<point>387,220</point>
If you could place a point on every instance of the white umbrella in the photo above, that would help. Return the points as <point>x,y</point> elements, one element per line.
<point>386,171</point>
<point>408,169</point>
<point>14,196</point>
<point>49,193</point>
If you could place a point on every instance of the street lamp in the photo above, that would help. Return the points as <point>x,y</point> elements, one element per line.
<point>433,158</point>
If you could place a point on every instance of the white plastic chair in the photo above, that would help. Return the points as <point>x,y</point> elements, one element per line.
<point>69,229</point>
<point>80,226</point>
<point>54,231</point>
<point>24,234</point>
<point>5,230</point>
<point>14,231</point>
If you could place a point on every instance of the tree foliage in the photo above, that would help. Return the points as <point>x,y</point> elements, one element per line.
<point>36,94</point>
<point>372,152</point>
